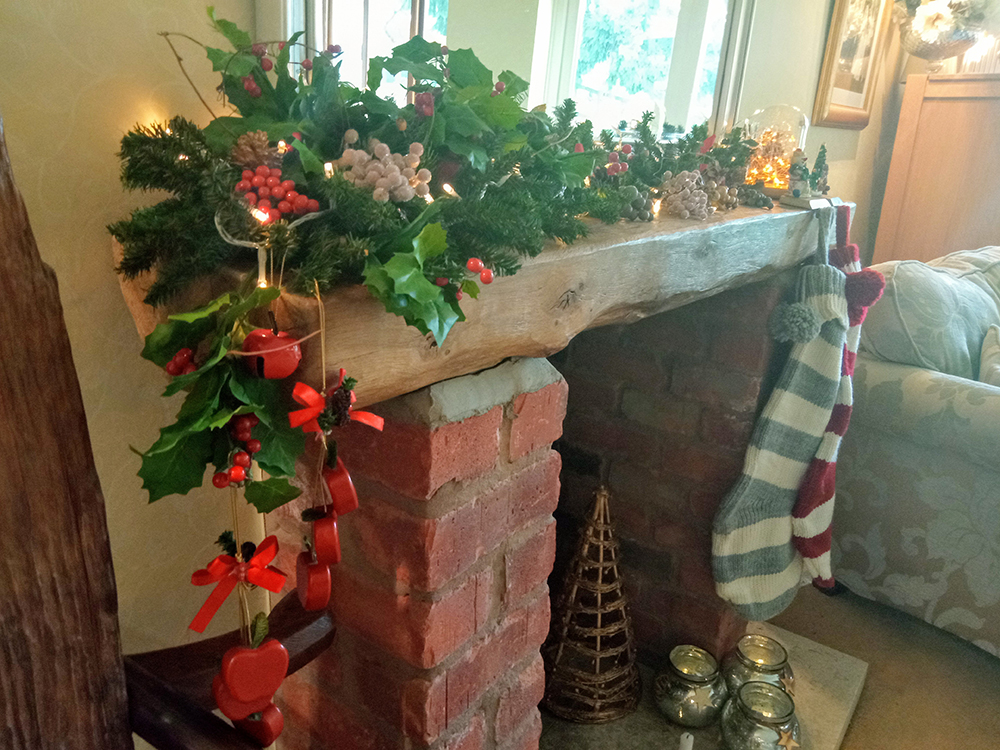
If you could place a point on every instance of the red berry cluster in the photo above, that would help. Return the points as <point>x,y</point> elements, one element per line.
<point>424,103</point>
<point>264,189</point>
<point>498,88</point>
<point>240,428</point>
<point>181,364</point>
<point>476,266</point>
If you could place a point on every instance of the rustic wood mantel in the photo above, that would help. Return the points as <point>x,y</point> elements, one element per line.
<point>618,274</point>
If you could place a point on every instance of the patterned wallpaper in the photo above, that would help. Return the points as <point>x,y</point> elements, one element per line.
<point>76,77</point>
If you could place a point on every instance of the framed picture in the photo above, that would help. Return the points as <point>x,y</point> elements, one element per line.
<point>854,48</point>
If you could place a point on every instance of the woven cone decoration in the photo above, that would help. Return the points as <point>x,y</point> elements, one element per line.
<point>591,673</point>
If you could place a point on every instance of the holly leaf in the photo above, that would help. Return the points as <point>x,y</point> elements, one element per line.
<point>311,163</point>
<point>177,469</point>
<point>258,630</point>
<point>270,494</point>
<point>430,243</point>
<point>280,446</point>
<point>467,70</point>
<point>236,36</point>
<point>203,312</point>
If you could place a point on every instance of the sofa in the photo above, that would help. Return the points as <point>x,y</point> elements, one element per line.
<point>917,518</point>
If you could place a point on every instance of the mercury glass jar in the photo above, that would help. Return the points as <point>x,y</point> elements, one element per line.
<point>758,658</point>
<point>692,691</point>
<point>760,717</point>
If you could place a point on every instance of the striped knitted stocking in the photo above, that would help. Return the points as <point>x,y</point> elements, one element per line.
<point>755,563</point>
<point>812,516</point>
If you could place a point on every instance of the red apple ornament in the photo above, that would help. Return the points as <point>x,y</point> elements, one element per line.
<point>250,674</point>
<point>312,581</point>
<point>265,729</point>
<point>276,358</point>
<point>232,708</point>
<point>342,492</point>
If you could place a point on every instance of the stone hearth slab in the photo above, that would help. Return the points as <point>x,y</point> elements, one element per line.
<point>828,684</point>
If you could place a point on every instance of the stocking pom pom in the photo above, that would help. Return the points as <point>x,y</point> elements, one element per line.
<point>864,288</point>
<point>795,322</point>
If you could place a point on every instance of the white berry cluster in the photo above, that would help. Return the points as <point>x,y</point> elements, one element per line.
<point>721,196</point>
<point>391,176</point>
<point>684,195</point>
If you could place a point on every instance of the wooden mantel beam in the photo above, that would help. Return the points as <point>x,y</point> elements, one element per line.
<point>619,274</point>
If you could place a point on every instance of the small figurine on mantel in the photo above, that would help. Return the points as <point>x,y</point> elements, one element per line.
<point>798,175</point>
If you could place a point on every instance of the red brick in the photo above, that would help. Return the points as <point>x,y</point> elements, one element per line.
<point>415,460</point>
<point>527,735</point>
<point>519,699</point>
<point>421,552</point>
<point>736,391</point>
<point>701,464</point>
<point>520,633</point>
<point>323,722</point>
<point>736,349</point>
<point>662,413</point>
<point>538,419</point>
<point>523,497</point>
<point>417,630</point>
<point>726,429</point>
<point>473,738</point>
<point>530,564</point>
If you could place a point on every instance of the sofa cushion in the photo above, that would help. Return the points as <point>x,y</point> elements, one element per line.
<point>935,315</point>
<point>989,363</point>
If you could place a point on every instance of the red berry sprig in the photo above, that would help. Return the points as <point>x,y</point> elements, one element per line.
<point>264,188</point>
<point>181,364</point>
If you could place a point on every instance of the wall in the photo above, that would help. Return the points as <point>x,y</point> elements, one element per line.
<point>76,77</point>
<point>786,53</point>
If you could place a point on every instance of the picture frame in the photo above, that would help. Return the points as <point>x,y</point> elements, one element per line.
<point>854,50</point>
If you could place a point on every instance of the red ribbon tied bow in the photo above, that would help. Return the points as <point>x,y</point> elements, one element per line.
<point>314,403</point>
<point>228,571</point>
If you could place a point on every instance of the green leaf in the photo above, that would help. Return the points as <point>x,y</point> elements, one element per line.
<point>467,70</point>
<point>471,288</point>
<point>408,278</point>
<point>463,121</point>
<point>270,494</point>
<point>311,163</point>
<point>203,312</point>
<point>238,64</point>
<point>516,86</point>
<point>258,630</point>
<point>430,243</point>
<point>236,36</point>
<point>179,469</point>
<point>167,338</point>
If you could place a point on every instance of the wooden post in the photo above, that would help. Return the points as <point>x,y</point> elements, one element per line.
<point>62,684</point>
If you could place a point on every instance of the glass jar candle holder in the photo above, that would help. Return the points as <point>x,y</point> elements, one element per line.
<point>692,691</point>
<point>758,658</point>
<point>760,717</point>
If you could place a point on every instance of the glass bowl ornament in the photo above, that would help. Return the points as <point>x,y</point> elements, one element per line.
<point>758,658</point>
<point>760,717</point>
<point>778,130</point>
<point>692,691</point>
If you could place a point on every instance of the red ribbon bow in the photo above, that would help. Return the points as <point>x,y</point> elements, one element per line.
<point>315,403</point>
<point>228,571</point>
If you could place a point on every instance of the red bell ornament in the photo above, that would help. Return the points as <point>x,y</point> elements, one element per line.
<point>326,538</point>
<point>250,674</point>
<point>342,492</point>
<point>312,581</point>
<point>278,354</point>
<point>265,729</point>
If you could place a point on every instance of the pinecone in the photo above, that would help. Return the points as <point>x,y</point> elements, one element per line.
<point>252,150</point>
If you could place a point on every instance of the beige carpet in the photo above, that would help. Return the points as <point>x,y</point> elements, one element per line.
<point>925,688</point>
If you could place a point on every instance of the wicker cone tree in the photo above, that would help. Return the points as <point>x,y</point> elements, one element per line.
<point>591,672</point>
